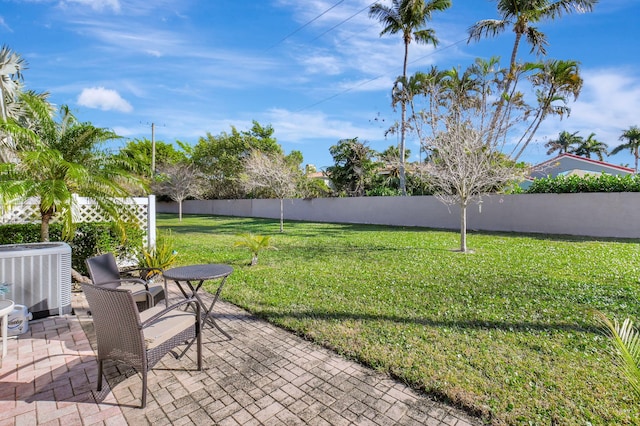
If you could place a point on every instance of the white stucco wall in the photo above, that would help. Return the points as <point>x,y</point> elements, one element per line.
<point>589,214</point>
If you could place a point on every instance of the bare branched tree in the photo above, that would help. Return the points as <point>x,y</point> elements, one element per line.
<point>178,181</point>
<point>465,168</point>
<point>465,143</point>
<point>271,176</point>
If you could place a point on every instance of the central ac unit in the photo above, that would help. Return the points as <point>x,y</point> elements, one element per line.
<point>39,275</point>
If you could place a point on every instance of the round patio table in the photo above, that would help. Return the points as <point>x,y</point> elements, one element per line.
<point>6,306</point>
<point>194,276</point>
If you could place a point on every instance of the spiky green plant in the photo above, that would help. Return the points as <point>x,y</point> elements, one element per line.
<point>158,258</point>
<point>626,341</point>
<point>255,244</point>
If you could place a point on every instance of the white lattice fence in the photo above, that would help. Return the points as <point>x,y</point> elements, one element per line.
<point>87,210</point>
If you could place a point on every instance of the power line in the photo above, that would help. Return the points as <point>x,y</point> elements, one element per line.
<point>305,25</point>
<point>347,90</point>
<point>340,23</point>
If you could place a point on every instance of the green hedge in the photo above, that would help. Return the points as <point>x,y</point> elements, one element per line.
<point>89,239</point>
<point>590,183</point>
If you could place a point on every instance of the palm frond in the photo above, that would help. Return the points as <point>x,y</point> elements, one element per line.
<point>626,342</point>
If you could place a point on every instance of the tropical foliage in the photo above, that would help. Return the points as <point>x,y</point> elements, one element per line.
<point>565,143</point>
<point>559,77</point>
<point>591,146</point>
<point>354,167</point>
<point>254,244</point>
<point>407,17</point>
<point>58,156</point>
<point>158,258</point>
<point>11,67</point>
<point>632,138</point>
<point>626,343</point>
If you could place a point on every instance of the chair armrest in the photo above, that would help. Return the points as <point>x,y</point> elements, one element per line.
<point>118,283</point>
<point>125,280</point>
<point>155,317</point>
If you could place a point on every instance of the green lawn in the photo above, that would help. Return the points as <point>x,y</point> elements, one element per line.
<point>506,332</point>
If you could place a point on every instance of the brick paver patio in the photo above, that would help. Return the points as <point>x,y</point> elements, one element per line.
<point>263,376</point>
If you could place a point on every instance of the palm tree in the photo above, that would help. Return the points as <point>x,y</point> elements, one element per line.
<point>254,244</point>
<point>59,159</point>
<point>556,80</point>
<point>11,66</point>
<point>632,136</point>
<point>564,143</point>
<point>407,17</point>
<point>591,146</point>
<point>406,90</point>
<point>519,15</point>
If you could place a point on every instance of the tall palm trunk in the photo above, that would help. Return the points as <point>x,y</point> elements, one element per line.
<point>507,87</point>
<point>45,216</point>
<point>403,122</point>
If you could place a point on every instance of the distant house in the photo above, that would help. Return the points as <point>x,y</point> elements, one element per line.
<point>571,164</point>
<point>321,176</point>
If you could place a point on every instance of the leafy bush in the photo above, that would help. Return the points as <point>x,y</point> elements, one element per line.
<point>383,191</point>
<point>89,239</point>
<point>27,233</point>
<point>589,183</point>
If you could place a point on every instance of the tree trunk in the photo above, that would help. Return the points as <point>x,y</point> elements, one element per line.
<point>403,118</point>
<point>281,215</point>
<point>254,260</point>
<point>463,227</point>
<point>45,218</point>
<point>507,86</point>
<point>180,211</point>
<point>78,277</point>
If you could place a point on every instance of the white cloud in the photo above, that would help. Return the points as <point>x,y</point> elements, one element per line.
<point>322,64</point>
<point>297,126</point>
<point>104,99</point>
<point>609,103</point>
<point>99,5</point>
<point>4,25</point>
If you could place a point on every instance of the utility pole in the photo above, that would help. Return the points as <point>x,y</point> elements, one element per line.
<point>153,149</point>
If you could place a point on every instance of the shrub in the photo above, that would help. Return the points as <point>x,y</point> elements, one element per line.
<point>161,257</point>
<point>589,183</point>
<point>89,239</point>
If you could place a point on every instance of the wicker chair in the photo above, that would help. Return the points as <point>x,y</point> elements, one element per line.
<point>103,270</point>
<point>139,339</point>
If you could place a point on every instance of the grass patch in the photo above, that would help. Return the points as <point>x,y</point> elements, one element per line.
<point>505,332</point>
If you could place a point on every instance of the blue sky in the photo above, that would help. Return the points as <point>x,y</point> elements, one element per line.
<point>193,67</point>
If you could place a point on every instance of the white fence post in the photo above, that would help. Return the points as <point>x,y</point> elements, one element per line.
<point>151,221</point>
